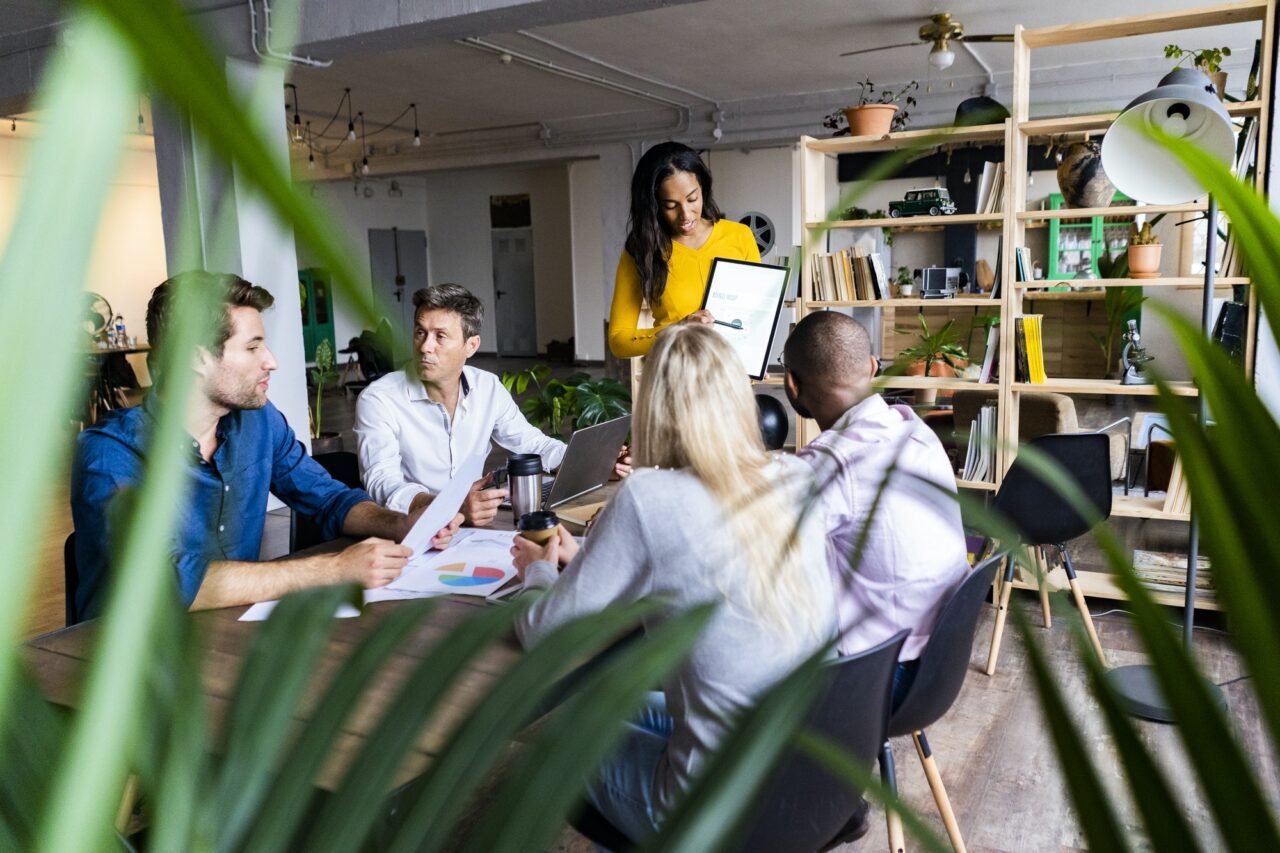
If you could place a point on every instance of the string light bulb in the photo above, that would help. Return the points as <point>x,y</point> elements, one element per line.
<point>364,148</point>
<point>351,125</point>
<point>311,151</point>
<point>417,137</point>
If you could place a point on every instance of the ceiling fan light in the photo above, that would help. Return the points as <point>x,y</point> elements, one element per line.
<point>942,57</point>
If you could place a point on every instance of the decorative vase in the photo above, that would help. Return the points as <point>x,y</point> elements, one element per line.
<point>1080,176</point>
<point>1144,261</point>
<point>906,291</point>
<point>328,442</point>
<point>870,119</point>
<point>1219,79</point>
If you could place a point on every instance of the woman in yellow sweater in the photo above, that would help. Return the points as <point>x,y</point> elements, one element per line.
<point>675,231</point>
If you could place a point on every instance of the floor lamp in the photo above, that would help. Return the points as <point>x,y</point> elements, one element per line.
<point>1184,105</point>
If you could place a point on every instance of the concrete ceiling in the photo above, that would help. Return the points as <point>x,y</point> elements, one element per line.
<point>740,56</point>
<point>768,69</point>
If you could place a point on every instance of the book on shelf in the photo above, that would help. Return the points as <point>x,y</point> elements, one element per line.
<point>991,359</point>
<point>1177,500</point>
<point>1029,349</point>
<point>998,286</point>
<point>847,275</point>
<point>979,463</point>
<point>1166,571</point>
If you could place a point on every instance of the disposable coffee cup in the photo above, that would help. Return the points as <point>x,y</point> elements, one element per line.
<point>538,527</point>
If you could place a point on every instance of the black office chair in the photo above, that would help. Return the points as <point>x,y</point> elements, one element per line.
<point>344,467</point>
<point>70,578</point>
<point>804,807</point>
<point>1046,520</point>
<point>939,677</point>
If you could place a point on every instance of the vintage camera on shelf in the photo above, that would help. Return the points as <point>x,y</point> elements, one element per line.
<point>941,282</point>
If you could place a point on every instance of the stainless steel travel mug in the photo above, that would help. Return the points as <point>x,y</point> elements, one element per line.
<point>524,479</point>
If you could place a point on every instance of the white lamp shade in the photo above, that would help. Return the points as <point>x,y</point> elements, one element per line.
<point>1183,105</point>
<point>941,57</point>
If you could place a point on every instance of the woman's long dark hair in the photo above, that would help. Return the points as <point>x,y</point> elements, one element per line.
<point>648,242</point>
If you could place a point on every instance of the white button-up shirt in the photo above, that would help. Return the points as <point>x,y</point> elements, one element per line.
<point>914,554</point>
<point>408,446</point>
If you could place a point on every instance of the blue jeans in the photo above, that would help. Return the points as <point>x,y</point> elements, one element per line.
<point>903,677</point>
<point>622,789</point>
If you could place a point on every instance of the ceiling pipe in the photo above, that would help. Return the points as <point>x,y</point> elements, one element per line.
<point>571,74</point>
<point>990,88</point>
<point>586,57</point>
<point>268,52</point>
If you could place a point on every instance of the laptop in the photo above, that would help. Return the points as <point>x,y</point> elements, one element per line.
<point>588,462</point>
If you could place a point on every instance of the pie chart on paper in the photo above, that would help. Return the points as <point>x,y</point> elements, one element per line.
<point>457,574</point>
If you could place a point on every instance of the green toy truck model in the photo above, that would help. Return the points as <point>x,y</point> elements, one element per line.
<point>933,201</point>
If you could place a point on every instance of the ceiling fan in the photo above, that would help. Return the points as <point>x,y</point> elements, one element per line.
<point>941,30</point>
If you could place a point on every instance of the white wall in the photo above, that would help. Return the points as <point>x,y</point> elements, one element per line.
<point>460,249</point>
<point>760,180</point>
<point>128,257</point>
<point>356,215</point>
<point>589,308</point>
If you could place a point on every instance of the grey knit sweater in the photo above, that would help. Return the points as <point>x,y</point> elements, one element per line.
<point>664,535</point>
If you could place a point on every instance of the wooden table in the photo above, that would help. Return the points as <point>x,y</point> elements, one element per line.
<point>59,662</point>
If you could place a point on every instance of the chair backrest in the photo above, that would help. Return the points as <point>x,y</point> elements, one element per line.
<point>945,661</point>
<point>804,806</point>
<point>70,578</point>
<point>1035,507</point>
<point>343,466</point>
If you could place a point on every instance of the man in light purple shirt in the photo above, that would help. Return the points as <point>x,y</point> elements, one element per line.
<point>913,554</point>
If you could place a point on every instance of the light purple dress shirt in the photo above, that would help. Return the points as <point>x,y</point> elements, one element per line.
<point>915,549</point>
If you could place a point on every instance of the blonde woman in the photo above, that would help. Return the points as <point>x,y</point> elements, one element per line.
<point>707,516</point>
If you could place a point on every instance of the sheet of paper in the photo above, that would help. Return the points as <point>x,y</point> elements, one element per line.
<point>260,611</point>
<point>475,564</point>
<point>444,507</point>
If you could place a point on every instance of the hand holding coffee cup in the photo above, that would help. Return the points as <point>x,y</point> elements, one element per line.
<point>541,537</point>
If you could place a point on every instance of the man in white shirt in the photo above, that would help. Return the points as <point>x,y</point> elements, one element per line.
<point>416,427</point>
<point>914,550</point>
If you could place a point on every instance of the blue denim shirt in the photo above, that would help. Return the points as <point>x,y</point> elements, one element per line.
<point>226,503</point>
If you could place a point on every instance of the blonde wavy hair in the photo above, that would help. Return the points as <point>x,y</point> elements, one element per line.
<point>695,411</point>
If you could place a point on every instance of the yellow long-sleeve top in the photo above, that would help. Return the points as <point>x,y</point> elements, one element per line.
<point>687,272</point>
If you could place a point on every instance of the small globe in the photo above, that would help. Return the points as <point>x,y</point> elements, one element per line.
<point>773,421</point>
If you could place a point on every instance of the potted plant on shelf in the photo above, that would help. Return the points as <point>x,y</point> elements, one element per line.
<point>1208,60</point>
<point>1144,252</point>
<point>324,371</point>
<point>906,284</point>
<point>877,112</point>
<point>933,354</point>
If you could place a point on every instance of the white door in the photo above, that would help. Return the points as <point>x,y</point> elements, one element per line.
<point>398,268</point>
<point>513,303</point>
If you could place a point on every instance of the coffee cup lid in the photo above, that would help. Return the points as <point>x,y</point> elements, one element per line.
<point>537,521</point>
<point>523,464</point>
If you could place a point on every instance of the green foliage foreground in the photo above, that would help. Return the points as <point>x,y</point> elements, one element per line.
<point>248,782</point>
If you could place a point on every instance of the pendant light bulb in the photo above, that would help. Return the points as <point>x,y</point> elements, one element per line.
<point>351,131</point>
<point>13,125</point>
<point>297,128</point>
<point>311,160</point>
<point>351,125</point>
<point>417,137</point>
<point>364,166</point>
<point>968,178</point>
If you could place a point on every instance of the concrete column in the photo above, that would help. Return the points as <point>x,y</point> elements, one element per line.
<point>234,229</point>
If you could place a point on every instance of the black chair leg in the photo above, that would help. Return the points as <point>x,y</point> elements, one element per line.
<point>1078,595</point>
<point>889,776</point>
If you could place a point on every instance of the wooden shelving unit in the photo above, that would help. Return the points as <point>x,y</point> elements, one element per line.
<point>1016,134</point>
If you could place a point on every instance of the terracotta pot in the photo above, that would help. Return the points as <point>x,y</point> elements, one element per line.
<point>929,396</point>
<point>870,119</point>
<point>328,442</point>
<point>1144,261</point>
<point>1219,79</point>
<point>1080,176</point>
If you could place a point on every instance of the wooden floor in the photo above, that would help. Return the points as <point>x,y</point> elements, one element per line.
<point>994,752</point>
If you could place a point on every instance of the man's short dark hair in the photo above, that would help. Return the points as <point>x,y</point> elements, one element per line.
<point>826,344</point>
<point>451,297</point>
<point>234,292</point>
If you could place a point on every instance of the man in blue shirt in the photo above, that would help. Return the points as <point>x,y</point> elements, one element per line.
<point>240,449</point>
